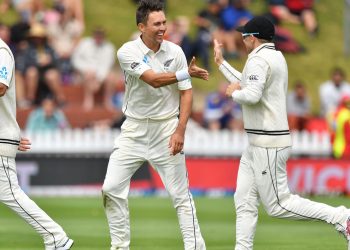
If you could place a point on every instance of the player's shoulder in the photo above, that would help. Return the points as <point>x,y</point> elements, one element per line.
<point>170,46</point>
<point>127,49</point>
<point>5,49</point>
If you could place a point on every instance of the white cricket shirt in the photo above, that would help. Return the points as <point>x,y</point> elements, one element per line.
<point>9,129</point>
<point>141,100</point>
<point>263,94</point>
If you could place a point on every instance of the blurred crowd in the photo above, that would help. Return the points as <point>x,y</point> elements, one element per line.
<point>51,54</point>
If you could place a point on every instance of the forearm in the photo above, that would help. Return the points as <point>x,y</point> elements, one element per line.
<point>157,80</point>
<point>249,95</point>
<point>185,109</point>
<point>231,74</point>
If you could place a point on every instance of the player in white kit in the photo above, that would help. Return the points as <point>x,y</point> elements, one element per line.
<point>10,141</point>
<point>261,90</point>
<point>157,105</point>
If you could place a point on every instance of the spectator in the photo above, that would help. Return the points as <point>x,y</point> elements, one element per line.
<point>64,36</point>
<point>221,112</point>
<point>38,64</point>
<point>298,107</point>
<point>5,34</point>
<point>94,59</point>
<point>74,9</point>
<point>29,10</point>
<point>332,90</point>
<point>47,117</point>
<point>208,23</point>
<point>177,33</point>
<point>304,10</point>
<point>341,136</point>
<point>280,12</point>
<point>234,15</point>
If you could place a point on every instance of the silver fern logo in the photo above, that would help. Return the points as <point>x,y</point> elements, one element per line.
<point>168,62</point>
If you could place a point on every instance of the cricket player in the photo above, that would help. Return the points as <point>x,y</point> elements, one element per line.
<point>157,106</point>
<point>10,141</point>
<point>261,90</point>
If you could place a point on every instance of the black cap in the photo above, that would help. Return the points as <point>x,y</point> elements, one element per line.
<point>260,27</point>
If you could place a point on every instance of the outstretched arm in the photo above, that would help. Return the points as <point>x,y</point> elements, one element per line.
<point>158,80</point>
<point>231,74</point>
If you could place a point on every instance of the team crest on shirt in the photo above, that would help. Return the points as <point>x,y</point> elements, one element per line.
<point>253,77</point>
<point>168,62</point>
<point>134,65</point>
<point>3,73</point>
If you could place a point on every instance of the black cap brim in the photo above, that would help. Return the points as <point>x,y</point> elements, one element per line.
<point>240,29</point>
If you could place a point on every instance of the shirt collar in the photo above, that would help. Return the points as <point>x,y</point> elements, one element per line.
<point>145,49</point>
<point>261,46</point>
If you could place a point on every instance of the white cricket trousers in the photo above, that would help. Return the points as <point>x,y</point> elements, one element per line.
<point>141,141</point>
<point>12,195</point>
<point>262,175</point>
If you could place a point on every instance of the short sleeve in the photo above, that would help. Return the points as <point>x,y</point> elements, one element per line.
<point>6,66</point>
<point>131,63</point>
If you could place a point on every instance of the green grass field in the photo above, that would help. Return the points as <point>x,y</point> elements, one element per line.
<point>154,226</point>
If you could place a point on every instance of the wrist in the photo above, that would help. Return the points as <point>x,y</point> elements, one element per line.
<point>223,64</point>
<point>181,128</point>
<point>219,61</point>
<point>182,75</point>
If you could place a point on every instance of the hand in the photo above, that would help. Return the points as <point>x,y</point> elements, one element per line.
<point>24,144</point>
<point>232,88</point>
<point>176,142</point>
<point>196,71</point>
<point>218,58</point>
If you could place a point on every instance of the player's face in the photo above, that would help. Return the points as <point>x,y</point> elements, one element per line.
<point>153,31</point>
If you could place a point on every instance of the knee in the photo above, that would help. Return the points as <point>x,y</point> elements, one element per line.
<point>32,72</point>
<point>52,75</point>
<point>275,211</point>
<point>245,206</point>
<point>10,193</point>
<point>107,189</point>
<point>115,190</point>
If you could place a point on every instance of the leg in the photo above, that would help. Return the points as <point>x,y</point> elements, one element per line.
<point>53,80</point>
<point>310,22</point>
<point>271,178</point>
<point>246,203</point>
<point>91,86</point>
<point>115,192</point>
<point>173,172</point>
<point>32,78</point>
<point>175,179</point>
<point>12,196</point>
<point>109,88</point>
<point>123,163</point>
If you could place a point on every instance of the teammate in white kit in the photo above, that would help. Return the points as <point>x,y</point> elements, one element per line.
<point>261,90</point>
<point>10,141</point>
<point>157,106</point>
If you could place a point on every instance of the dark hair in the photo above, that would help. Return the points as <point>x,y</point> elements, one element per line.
<point>338,70</point>
<point>146,7</point>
